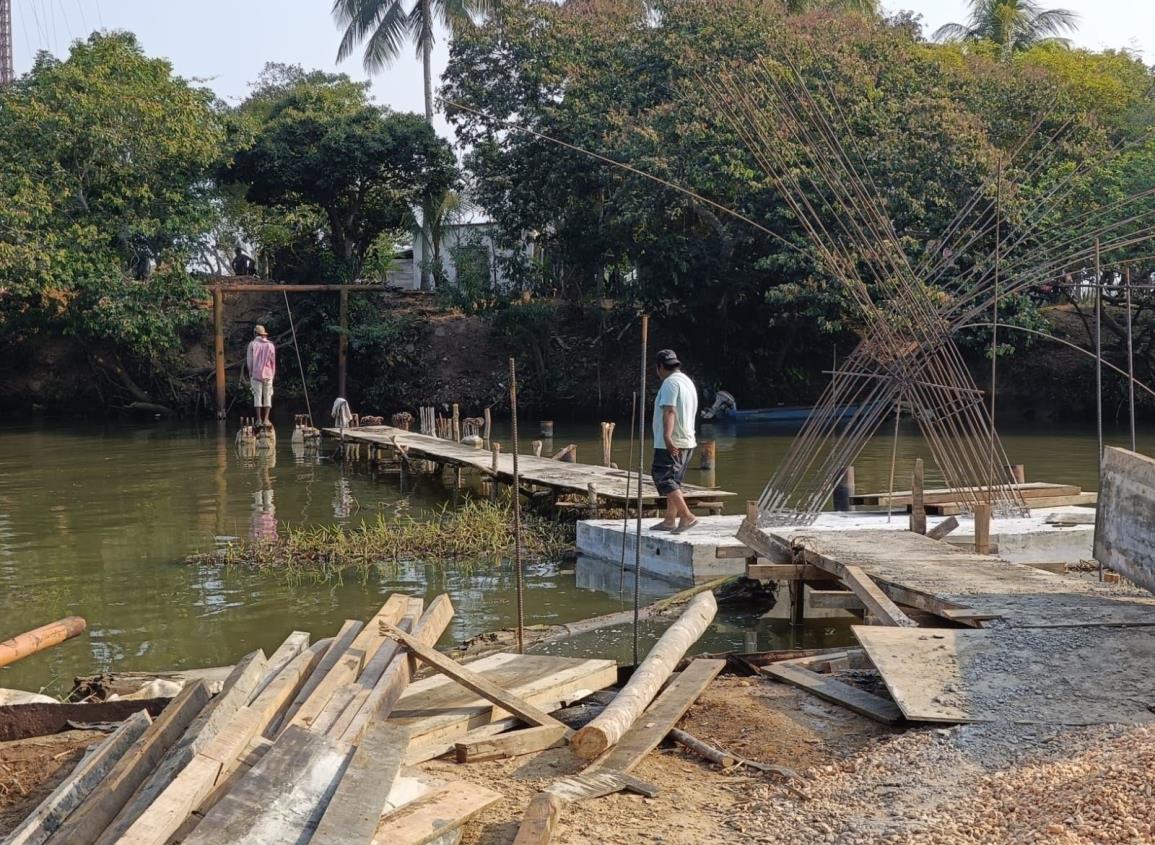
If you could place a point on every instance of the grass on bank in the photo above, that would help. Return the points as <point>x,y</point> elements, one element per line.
<point>477,530</point>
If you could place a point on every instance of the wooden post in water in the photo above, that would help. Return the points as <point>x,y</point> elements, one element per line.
<point>844,490</point>
<point>706,452</point>
<point>607,443</point>
<point>592,490</point>
<point>488,427</point>
<point>456,423</point>
<point>493,481</point>
<point>343,344</point>
<point>219,350</point>
<point>983,528</point>
<point>547,429</point>
<point>917,505</point>
<point>1019,473</point>
<point>537,444</point>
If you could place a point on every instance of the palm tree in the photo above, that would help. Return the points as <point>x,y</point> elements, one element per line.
<point>385,25</point>
<point>1011,24</point>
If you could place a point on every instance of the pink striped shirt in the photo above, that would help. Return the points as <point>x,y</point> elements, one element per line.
<point>262,359</point>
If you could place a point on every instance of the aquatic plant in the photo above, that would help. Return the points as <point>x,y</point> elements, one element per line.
<point>478,530</point>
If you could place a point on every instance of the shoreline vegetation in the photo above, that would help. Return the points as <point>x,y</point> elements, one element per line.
<point>477,530</point>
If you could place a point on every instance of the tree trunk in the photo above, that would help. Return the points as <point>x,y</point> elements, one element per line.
<point>427,69</point>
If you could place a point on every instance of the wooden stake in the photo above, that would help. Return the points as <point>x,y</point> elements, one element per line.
<point>219,350</point>
<point>488,427</point>
<point>537,446</point>
<point>456,423</point>
<point>983,528</point>
<point>706,454</point>
<point>917,508</point>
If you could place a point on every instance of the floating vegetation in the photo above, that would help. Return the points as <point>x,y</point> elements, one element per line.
<point>477,530</point>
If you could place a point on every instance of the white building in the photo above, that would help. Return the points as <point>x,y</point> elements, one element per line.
<point>469,256</point>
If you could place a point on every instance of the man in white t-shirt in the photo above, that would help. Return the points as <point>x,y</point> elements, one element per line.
<point>675,411</point>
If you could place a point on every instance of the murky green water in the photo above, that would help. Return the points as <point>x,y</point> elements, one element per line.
<point>96,519</point>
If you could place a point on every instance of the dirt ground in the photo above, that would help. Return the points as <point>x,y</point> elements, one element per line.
<point>698,804</point>
<point>31,768</point>
<point>860,783</point>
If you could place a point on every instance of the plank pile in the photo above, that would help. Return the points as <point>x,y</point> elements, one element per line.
<point>313,743</point>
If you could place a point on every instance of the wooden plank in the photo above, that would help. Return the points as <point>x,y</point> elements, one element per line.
<point>440,711</point>
<point>87,776</point>
<point>785,572</point>
<point>355,810</point>
<point>432,815</point>
<point>540,820</point>
<point>876,601</point>
<point>101,807</point>
<point>587,785</point>
<point>236,692</point>
<point>836,692</point>
<point>645,734</point>
<point>293,645</point>
<point>219,757</point>
<point>1029,491</point>
<point>471,680</point>
<point>732,552</point>
<point>281,800</point>
<point>335,652</point>
<point>513,744</point>
<point>350,663</point>
<point>381,700</point>
<point>834,600</point>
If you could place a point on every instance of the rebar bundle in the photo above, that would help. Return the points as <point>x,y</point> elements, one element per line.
<point>907,356</point>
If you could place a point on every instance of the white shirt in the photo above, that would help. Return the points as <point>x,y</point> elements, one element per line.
<point>679,393</point>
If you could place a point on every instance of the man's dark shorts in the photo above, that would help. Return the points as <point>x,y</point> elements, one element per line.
<point>668,471</point>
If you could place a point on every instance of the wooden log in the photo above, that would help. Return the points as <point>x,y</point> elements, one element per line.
<point>706,452</point>
<point>335,652</point>
<point>917,507</point>
<point>236,692</point>
<point>645,734</point>
<point>346,668</point>
<point>566,455</point>
<point>85,825</point>
<point>540,820</point>
<point>41,638</point>
<point>982,528</point>
<point>943,528</point>
<point>386,692</point>
<point>432,815</point>
<point>87,776</point>
<point>513,744</point>
<point>355,810</point>
<point>472,681</point>
<point>612,724</point>
<point>704,750</point>
<point>877,602</point>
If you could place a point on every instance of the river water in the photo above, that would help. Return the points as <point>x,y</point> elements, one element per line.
<point>97,518</point>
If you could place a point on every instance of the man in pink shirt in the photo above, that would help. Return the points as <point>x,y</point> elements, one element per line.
<point>261,362</point>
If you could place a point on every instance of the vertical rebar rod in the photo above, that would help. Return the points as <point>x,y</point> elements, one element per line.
<point>995,332</point>
<point>626,503</point>
<point>517,510</point>
<point>1099,350</point>
<point>1130,357</point>
<point>641,463</point>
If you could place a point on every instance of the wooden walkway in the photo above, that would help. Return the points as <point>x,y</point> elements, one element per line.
<point>610,483</point>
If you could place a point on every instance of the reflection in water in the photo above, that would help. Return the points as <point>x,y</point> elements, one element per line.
<point>96,520</point>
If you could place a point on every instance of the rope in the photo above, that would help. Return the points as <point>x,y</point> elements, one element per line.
<point>300,364</point>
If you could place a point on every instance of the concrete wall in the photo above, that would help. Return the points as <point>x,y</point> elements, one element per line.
<point>1125,530</point>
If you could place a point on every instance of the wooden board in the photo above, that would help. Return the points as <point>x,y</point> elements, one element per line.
<point>335,652</point>
<point>1068,676</point>
<point>88,774</point>
<point>293,645</point>
<point>437,709</point>
<point>876,601</point>
<point>432,815</point>
<point>611,483</point>
<point>477,683</point>
<point>281,800</point>
<point>836,692</point>
<point>355,809</point>
<point>512,744</point>
<point>1029,490</point>
<point>85,825</point>
<point>662,715</point>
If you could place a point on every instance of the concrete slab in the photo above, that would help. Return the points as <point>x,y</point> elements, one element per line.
<point>711,550</point>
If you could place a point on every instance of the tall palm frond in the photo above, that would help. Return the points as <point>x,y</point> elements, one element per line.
<point>1012,24</point>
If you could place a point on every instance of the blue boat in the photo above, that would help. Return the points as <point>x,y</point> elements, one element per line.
<point>784,414</point>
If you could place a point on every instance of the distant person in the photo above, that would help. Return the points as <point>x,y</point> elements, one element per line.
<point>261,363</point>
<point>243,265</point>
<point>675,411</point>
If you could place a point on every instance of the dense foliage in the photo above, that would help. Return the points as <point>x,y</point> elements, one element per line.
<point>928,123</point>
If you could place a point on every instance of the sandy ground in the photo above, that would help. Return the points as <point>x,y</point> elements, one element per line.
<point>31,768</point>
<point>861,783</point>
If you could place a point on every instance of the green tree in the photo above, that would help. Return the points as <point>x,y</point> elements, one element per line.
<point>315,142</point>
<point>1013,25</point>
<point>107,189</point>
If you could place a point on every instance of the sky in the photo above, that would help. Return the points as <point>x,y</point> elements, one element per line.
<point>225,43</point>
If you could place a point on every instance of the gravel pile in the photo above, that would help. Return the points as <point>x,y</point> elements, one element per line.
<point>968,785</point>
